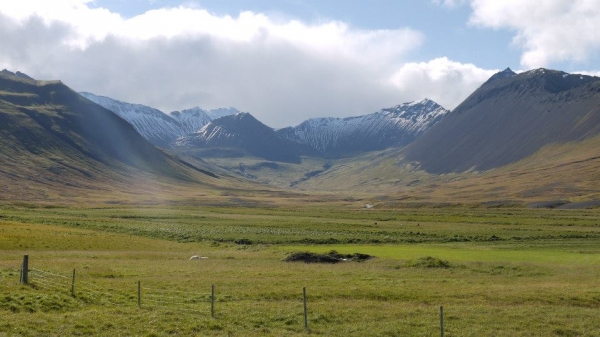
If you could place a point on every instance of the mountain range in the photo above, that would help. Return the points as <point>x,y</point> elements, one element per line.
<point>227,133</point>
<point>238,135</point>
<point>391,127</point>
<point>159,128</point>
<point>532,135</point>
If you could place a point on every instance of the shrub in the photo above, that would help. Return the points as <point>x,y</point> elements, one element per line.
<point>331,257</point>
<point>429,262</point>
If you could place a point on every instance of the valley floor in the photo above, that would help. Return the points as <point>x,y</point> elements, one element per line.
<point>496,272</point>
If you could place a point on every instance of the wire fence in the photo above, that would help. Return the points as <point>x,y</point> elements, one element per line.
<point>91,292</point>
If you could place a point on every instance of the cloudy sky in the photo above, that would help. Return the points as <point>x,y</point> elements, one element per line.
<point>289,60</point>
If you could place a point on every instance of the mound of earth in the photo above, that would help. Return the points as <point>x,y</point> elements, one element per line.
<point>331,257</point>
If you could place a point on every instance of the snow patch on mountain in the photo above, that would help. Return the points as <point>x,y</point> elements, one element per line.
<point>160,128</point>
<point>221,112</point>
<point>151,123</point>
<point>395,126</point>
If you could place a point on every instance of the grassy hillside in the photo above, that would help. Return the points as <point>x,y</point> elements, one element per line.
<point>568,172</point>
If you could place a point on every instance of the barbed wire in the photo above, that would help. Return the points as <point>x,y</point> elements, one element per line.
<point>84,289</point>
<point>179,308</point>
<point>171,302</point>
<point>186,293</point>
<point>192,300</point>
<point>53,283</point>
<point>172,299</point>
<point>47,272</point>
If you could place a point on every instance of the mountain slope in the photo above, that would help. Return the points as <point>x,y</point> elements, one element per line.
<point>396,126</point>
<point>154,125</point>
<point>54,139</point>
<point>509,118</point>
<point>556,174</point>
<point>192,120</point>
<point>151,123</point>
<point>243,132</point>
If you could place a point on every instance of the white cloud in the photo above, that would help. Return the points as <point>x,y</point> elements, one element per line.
<point>283,72</point>
<point>90,25</point>
<point>442,80</point>
<point>586,72</point>
<point>548,31</point>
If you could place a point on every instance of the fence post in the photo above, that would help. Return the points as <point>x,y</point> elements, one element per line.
<point>73,284</point>
<point>212,301</point>
<point>25,270</point>
<point>139,294</point>
<point>442,321</point>
<point>305,310</point>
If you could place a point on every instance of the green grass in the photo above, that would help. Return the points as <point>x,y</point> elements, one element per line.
<point>543,283</point>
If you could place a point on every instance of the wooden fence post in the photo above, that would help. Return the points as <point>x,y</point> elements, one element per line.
<point>73,284</point>
<point>305,310</point>
<point>25,270</point>
<point>139,294</point>
<point>442,321</point>
<point>212,301</point>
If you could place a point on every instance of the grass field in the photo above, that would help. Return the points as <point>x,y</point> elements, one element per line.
<point>497,272</point>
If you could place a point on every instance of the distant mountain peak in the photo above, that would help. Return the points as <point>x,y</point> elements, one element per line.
<point>192,111</point>
<point>542,71</point>
<point>554,81</point>
<point>17,74</point>
<point>160,128</point>
<point>243,132</point>
<point>212,113</point>
<point>423,101</point>
<point>243,115</point>
<point>390,127</point>
<point>220,112</point>
<point>506,73</point>
<point>510,119</point>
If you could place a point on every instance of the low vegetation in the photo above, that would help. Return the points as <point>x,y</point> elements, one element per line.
<point>501,272</point>
<point>429,262</point>
<point>331,257</point>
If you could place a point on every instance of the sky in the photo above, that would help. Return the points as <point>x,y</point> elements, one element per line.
<point>289,60</point>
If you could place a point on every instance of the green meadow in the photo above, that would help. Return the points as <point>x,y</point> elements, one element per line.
<point>496,272</point>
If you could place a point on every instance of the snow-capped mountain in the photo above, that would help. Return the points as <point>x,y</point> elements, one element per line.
<point>396,126</point>
<point>506,73</point>
<point>191,120</point>
<point>159,128</point>
<point>227,128</point>
<point>221,112</point>
<point>243,134</point>
<point>194,119</point>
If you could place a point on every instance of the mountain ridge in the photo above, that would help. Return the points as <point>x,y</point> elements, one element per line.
<point>390,127</point>
<point>244,132</point>
<point>327,137</point>
<point>159,128</point>
<point>55,141</point>
<point>508,119</point>
<point>506,140</point>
